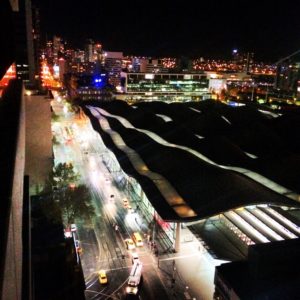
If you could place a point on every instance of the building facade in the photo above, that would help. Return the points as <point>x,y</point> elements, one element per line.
<point>164,86</point>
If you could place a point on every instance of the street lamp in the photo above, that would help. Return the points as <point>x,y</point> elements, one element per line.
<point>252,94</point>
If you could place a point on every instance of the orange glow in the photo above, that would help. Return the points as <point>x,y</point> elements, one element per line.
<point>47,77</point>
<point>10,74</point>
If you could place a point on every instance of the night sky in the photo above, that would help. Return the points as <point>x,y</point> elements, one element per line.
<point>210,29</point>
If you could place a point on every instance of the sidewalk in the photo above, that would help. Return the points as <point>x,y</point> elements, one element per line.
<point>189,274</point>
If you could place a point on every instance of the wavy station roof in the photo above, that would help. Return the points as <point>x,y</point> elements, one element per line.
<point>197,159</point>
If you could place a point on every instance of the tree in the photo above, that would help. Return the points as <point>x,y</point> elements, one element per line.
<point>54,117</point>
<point>75,203</point>
<point>64,199</point>
<point>74,103</point>
<point>63,175</point>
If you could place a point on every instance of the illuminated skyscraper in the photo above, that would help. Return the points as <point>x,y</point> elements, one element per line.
<point>58,48</point>
<point>25,61</point>
<point>89,51</point>
<point>113,65</point>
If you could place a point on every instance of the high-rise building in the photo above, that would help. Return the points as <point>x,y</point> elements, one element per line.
<point>288,76</point>
<point>58,48</point>
<point>113,65</point>
<point>25,57</point>
<point>49,52</point>
<point>36,32</point>
<point>89,51</point>
<point>151,65</point>
<point>63,68</point>
<point>79,56</point>
<point>94,52</point>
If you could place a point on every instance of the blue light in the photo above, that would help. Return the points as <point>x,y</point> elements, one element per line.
<point>232,103</point>
<point>99,81</point>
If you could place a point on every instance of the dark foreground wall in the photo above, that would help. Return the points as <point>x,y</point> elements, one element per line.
<point>12,161</point>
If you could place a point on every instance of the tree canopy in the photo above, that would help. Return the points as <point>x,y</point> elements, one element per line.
<point>75,203</point>
<point>63,175</point>
<point>65,198</point>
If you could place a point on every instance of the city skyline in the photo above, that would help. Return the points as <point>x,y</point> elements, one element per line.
<point>170,29</point>
<point>150,150</point>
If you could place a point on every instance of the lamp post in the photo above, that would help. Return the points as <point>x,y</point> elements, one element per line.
<point>252,94</point>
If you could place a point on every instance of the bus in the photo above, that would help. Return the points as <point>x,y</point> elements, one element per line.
<point>135,278</point>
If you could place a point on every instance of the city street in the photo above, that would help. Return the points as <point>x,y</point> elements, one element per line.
<point>103,246</point>
<point>188,274</point>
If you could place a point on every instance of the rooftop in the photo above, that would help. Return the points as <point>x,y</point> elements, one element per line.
<point>202,158</point>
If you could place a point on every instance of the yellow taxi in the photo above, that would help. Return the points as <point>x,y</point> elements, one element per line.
<point>102,277</point>
<point>137,239</point>
<point>129,244</point>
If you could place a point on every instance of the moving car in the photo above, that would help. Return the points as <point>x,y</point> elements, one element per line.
<point>137,239</point>
<point>129,244</point>
<point>102,277</point>
<point>134,257</point>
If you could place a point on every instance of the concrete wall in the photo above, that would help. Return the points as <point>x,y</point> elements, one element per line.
<point>38,141</point>
<point>12,268</point>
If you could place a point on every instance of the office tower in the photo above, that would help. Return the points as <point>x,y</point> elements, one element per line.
<point>113,65</point>
<point>58,48</point>
<point>89,51</point>
<point>24,49</point>
<point>36,32</point>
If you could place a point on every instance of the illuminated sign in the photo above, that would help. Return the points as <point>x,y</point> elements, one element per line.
<point>149,76</point>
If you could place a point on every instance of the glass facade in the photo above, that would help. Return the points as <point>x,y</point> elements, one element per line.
<point>166,87</point>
